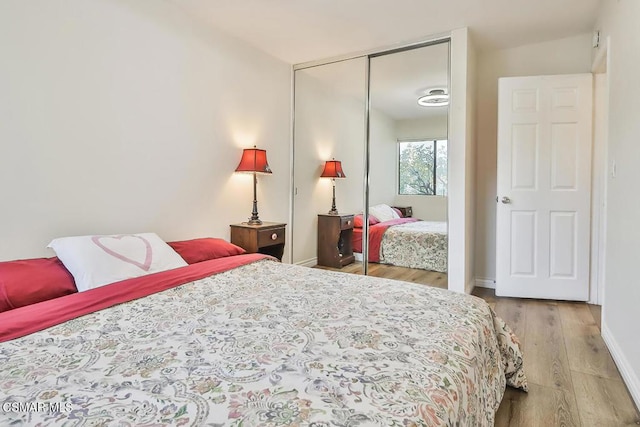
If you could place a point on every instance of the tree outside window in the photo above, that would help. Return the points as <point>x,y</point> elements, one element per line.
<point>423,167</point>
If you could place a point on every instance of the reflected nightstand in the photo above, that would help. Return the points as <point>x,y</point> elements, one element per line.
<point>335,247</point>
<point>407,211</point>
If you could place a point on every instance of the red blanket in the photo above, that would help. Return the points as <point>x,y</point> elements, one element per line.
<point>377,231</point>
<point>36,317</point>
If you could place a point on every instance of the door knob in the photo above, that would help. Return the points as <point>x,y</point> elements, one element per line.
<point>506,200</point>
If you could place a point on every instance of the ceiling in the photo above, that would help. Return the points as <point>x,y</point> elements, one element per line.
<point>399,79</point>
<point>299,31</point>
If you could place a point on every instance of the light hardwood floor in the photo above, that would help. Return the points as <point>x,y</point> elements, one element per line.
<point>572,379</point>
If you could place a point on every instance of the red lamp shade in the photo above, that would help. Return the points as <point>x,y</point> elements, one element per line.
<point>254,160</point>
<point>333,169</point>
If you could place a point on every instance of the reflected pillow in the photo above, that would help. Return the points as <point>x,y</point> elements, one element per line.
<point>198,250</point>
<point>29,281</point>
<point>358,220</point>
<point>383,212</point>
<point>96,261</point>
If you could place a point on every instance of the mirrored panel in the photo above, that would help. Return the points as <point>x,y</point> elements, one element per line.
<point>408,148</point>
<point>329,142</point>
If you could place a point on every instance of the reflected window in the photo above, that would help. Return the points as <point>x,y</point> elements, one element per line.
<point>422,167</point>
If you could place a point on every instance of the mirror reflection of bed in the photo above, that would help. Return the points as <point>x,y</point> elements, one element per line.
<point>401,247</point>
<point>417,249</point>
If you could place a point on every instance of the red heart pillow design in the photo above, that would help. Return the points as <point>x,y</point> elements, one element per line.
<point>114,245</point>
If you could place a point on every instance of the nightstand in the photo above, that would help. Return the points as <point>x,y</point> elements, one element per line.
<point>335,247</point>
<point>407,211</point>
<point>266,238</point>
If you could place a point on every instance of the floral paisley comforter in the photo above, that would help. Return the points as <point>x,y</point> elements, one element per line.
<point>270,344</point>
<point>420,244</point>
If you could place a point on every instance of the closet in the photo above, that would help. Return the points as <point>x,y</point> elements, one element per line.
<point>363,110</point>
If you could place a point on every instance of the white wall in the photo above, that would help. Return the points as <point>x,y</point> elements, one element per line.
<point>598,184</point>
<point>460,155</point>
<point>620,315</point>
<point>429,208</point>
<point>565,56</point>
<point>121,116</point>
<point>425,127</point>
<point>470,166</point>
<point>383,165</point>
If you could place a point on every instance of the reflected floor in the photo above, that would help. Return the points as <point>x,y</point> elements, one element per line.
<point>425,277</point>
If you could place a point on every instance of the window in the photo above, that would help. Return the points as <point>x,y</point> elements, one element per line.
<point>422,167</point>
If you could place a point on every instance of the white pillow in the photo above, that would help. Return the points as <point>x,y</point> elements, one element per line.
<point>96,261</point>
<point>383,212</point>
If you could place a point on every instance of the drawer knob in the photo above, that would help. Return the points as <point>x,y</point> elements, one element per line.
<point>274,236</point>
<point>349,222</point>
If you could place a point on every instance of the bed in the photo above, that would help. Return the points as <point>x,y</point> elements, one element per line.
<point>246,340</point>
<point>406,242</point>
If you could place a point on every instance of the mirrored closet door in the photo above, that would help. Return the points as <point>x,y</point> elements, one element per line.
<point>408,146</point>
<point>379,119</point>
<point>329,144</point>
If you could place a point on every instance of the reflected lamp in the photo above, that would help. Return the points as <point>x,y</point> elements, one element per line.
<point>333,170</point>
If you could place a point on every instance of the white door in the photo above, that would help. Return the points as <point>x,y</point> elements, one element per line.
<point>544,187</point>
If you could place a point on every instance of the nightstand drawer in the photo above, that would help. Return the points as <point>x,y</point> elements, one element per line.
<point>266,238</point>
<point>270,237</point>
<point>346,222</point>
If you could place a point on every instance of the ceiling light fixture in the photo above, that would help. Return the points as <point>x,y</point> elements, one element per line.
<point>434,98</point>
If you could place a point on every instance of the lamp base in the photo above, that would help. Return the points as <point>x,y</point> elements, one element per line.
<point>254,220</point>
<point>334,210</point>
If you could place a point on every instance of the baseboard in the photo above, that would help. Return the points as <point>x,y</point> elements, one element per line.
<point>628,375</point>
<point>358,256</point>
<point>483,282</point>
<point>311,262</point>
